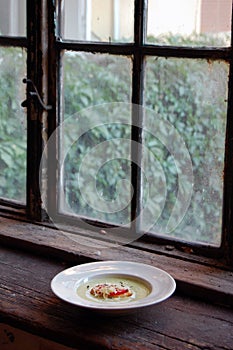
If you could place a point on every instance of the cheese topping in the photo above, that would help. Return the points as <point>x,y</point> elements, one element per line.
<point>109,290</point>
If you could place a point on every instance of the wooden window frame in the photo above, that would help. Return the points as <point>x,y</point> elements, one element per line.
<point>42,123</point>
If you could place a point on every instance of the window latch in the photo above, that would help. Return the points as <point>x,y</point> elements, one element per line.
<point>36,94</point>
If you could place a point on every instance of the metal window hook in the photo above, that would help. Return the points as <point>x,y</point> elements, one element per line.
<point>35,93</point>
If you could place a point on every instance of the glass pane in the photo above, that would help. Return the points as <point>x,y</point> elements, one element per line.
<point>189,23</point>
<point>12,124</point>
<point>13,17</point>
<point>93,86</point>
<point>97,20</point>
<point>184,131</point>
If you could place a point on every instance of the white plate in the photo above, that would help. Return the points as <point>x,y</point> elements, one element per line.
<point>159,284</point>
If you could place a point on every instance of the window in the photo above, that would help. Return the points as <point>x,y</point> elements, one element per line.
<point>134,128</point>
<point>13,118</point>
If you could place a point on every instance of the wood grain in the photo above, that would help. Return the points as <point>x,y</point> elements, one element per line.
<point>27,302</point>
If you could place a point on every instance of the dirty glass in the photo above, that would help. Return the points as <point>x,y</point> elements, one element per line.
<point>95,20</point>
<point>93,158</point>
<point>185,134</point>
<point>12,124</point>
<point>13,17</point>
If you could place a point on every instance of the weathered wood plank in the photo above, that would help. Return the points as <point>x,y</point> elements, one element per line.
<point>27,302</point>
<point>207,282</point>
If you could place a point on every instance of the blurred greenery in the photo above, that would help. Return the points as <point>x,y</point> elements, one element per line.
<point>12,124</point>
<point>191,95</point>
<point>89,80</point>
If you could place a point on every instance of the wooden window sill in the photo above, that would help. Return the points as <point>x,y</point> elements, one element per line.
<point>27,303</point>
<point>200,278</point>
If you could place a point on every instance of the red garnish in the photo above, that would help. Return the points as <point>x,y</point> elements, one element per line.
<point>118,292</point>
<point>108,290</point>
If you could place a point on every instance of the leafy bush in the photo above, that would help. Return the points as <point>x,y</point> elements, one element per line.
<point>12,125</point>
<point>90,80</point>
<point>191,95</point>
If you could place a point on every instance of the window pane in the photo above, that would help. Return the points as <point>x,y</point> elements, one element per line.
<point>12,124</point>
<point>185,134</point>
<point>13,17</point>
<point>95,81</point>
<point>97,20</point>
<point>189,23</point>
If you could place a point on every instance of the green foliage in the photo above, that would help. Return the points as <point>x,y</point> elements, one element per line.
<point>191,95</point>
<point>12,126</point>
<point>95,79</point>
<point>191,40</point>
<point>90,80</point>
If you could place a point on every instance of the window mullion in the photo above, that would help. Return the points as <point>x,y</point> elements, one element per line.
<point>137,100</point>
<point>37,72</point>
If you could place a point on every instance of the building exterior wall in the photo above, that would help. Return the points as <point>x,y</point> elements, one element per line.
<point>215,19</point>
<point>166,16</point>
<point>102,19</point>
<point>13,17</point>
